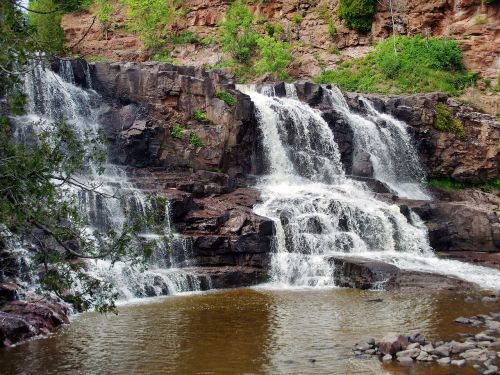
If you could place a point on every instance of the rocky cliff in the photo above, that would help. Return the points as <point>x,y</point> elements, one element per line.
<point>210,184</point>
<point>473,24</point>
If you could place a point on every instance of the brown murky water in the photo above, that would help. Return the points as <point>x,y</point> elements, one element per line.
<point>242,331</point>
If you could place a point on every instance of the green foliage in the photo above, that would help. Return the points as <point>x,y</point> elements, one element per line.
<point>102,11</point>
<point>358,14</point>
<point>150,19</point>
<point>275,56</point>
<point>96,58</point>
<point>162,56</point>
<point>297,19</point>
<point>195,140</point>
<point>226,97</point>
<point>445,122</point>
<point>420,65</point>
<point>332,29</point>
<point>273,29</point>
<point>185,37</point>
<point>236,33</point>
<point>449,184</point>
<point>34,194</point>
<point>49,35</point>
<point>177,131</point>
<point>199,115</point>
<point>67,6</point>
<point>488,2</point>
<point>334,50</point>
<point>480,20</point>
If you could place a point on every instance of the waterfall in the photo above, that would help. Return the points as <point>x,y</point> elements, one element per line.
<point>320,212</point>
<point>53,97</point>
<point>386,140</point>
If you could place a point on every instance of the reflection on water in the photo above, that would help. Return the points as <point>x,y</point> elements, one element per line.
<point>242,331</point>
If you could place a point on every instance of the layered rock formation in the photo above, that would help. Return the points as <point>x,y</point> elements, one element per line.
<point>473,24</point>
<point>206,183</point>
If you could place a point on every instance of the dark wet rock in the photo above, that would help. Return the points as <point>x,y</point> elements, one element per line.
<point>228,277</point>
<point>20,320</point>
<point>365,273</point>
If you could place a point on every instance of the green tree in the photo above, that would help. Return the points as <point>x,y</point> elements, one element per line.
<point>150,19</point>
<point>358,14</point>
<point>275,56</point>
<point>38,184</point>
<point>236,32</point>
<point>49,35</point>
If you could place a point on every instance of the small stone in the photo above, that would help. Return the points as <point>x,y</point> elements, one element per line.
<point>415,345</point>
<point>367,340</point>
<point>460,347</point>
<point>424,356</point>
<point>458,362</point>
<point>363,346</point>
<point>483,337</point>
<point>490,372</point>
<point>462,320</point>
<point>370,351</point>
<point>443,350</point>
<point>405,360</point>
<point>392,342</point>
<point>469,299</point>
<point>387,358</point>
<point>413,353</point>
<point>428,348</point>
<point>311,360</point>
<point>444,361</point>
<point>488,299</point>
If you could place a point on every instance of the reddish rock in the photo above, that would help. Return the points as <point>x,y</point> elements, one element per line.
<point>392,343</point>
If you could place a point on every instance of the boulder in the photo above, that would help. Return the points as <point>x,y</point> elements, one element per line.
<point>392,343</point>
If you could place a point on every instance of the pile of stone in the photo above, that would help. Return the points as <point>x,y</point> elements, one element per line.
<point>481,349</point>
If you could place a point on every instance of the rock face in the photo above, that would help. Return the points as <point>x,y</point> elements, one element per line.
<point>474,157</point>
<point>150,118</point>
<point>371,274</point>
<point>21,320</point>
<point>473,24</point>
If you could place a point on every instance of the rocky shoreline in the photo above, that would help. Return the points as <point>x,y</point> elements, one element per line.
<point>480,350</point>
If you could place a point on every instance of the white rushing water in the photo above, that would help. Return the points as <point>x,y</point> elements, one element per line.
<point>319,212</point>
<point>52,97</point>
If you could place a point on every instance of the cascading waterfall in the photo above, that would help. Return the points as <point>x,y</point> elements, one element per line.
<point>394,158</point>
<point>53,97</point>
<point>319,212</point>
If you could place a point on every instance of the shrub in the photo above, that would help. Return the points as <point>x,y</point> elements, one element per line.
<point>49,35</point>
<point>177,132</point>
<point>185,37</point>
<point>297,19</point>
<point>199,115</point>
<point>275,56</point>
<point>195,140</point>
<point>445,122</point>
<point>449,184</point>
<point>103,10</point>
<point>420,65</point>
<point>163,56</point>
<point>150,18</point>
<point>237,35</point>
<point>226,97</point>
<point>357,14</point>
<point>480,20</point>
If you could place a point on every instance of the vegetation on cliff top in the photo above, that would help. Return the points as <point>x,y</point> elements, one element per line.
<point>420,65</point>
